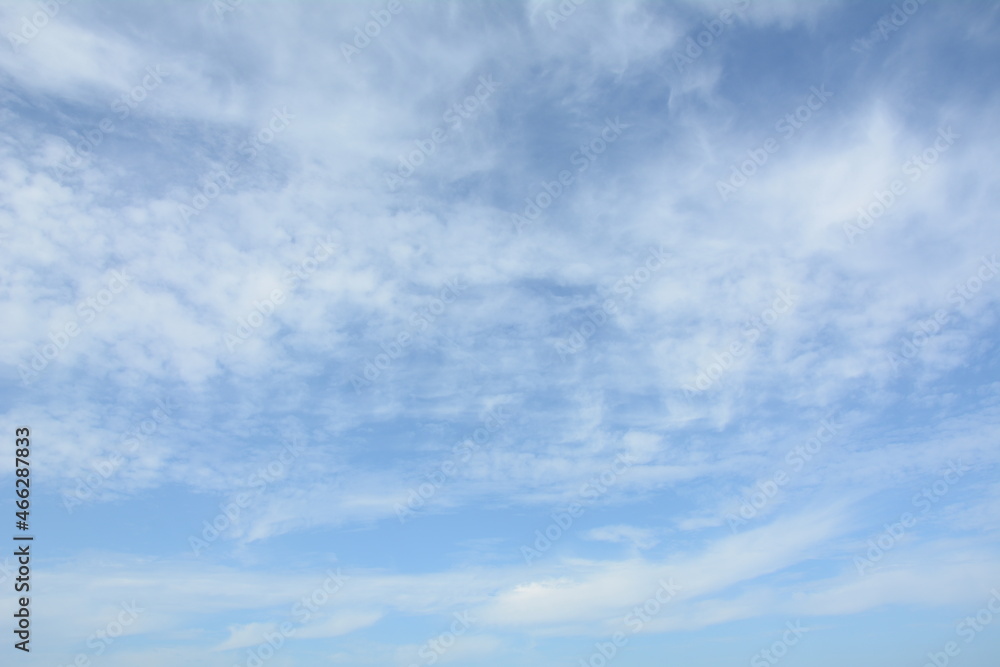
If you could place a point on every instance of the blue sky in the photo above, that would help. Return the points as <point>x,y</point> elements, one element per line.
<point>632,333</point>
